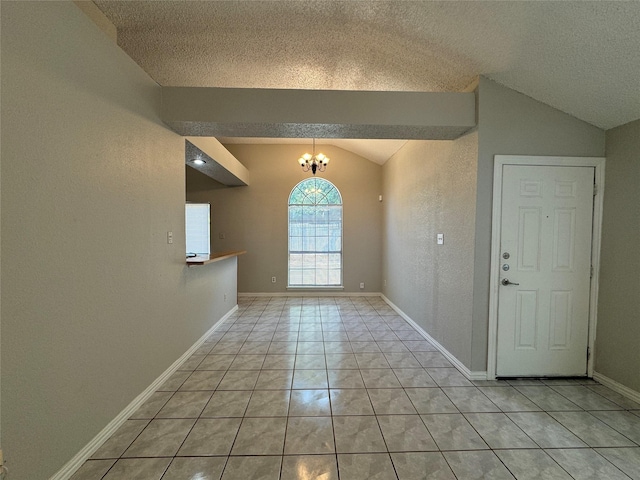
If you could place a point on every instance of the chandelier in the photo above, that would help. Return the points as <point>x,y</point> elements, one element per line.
<point>313,162</point>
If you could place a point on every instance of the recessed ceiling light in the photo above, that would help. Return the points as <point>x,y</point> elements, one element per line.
<point>199,161</point>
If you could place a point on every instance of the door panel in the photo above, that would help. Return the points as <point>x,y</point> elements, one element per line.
<point>526,320</point>
<point>560,318</point>
<point>546,229</point>
<point>529,239</point>
<point>564,231</point>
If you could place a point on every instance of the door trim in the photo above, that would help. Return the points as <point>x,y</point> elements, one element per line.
<point>499,162</point>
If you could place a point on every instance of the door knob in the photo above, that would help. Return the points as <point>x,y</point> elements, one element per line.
<point>505,282</point>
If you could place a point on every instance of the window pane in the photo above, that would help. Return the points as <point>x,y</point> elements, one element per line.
<point>334,277</point>
<point>322,277</point>
<point>309,276</point>
<point>309,244</point>
<point>333,197</point>
<point>335,214</point>
<point>308,215</point>
<point>309,260</point>
<point>309,229</point>
<point>322,260</point>
<point>322,229</point>
<point>295,244</point>
<point>295,261</point>
<point>297,196</point>
<point>322,244</point>
<point>295,277</point>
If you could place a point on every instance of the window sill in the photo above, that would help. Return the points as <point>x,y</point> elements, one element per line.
<point>214,257</point>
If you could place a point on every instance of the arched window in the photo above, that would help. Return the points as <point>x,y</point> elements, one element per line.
<point>315,234</point>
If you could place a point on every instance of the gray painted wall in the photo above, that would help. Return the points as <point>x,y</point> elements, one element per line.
<point>92,180</point>
<point>95,303</point>
<point>510,123</point>
<point>617,353</point>
<point>255,217</point>
<point>429,188</point>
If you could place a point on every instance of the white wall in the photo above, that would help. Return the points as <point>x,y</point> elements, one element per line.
<point>95,303</point>
<point>429,188</point>
<point>255,217</point>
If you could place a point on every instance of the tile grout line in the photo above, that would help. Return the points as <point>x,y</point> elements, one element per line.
<point>333,428</point>
<point>267,327</point>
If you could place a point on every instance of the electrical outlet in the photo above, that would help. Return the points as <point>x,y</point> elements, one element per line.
<point>169,238</point>
<point>225,297</point>
<point>273,279</point>
<point>385,283</point>
<point>440,239</point>
<point>361,284</point>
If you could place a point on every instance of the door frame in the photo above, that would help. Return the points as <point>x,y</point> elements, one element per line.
<point>499,162</point>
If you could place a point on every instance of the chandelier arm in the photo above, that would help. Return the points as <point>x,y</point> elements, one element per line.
<point>313,162</point>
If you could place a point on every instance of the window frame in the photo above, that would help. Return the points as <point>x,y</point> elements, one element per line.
<point>333,192</point>
<point>187,229</point>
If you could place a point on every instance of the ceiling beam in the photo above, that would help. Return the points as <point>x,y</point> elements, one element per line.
<point>238,112</point>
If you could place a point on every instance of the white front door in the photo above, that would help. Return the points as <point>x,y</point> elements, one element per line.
<point>545,270</point>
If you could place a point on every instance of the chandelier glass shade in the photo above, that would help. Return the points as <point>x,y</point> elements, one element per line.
<point>314,162</point>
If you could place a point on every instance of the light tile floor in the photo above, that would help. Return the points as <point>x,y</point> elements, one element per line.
<point>327,388</point>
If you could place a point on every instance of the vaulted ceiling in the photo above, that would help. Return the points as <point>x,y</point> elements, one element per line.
<point>581,57</point>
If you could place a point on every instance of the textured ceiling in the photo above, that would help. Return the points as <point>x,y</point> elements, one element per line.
<point>581,57</point>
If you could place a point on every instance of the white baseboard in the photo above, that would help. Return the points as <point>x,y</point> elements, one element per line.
<point>448,355</point>
<point>310,293</point>
<point>90,448</point>
<point>617,387</point>
<point>478,375</point>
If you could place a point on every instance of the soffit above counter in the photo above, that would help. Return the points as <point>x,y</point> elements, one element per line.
<point>219,163</point>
